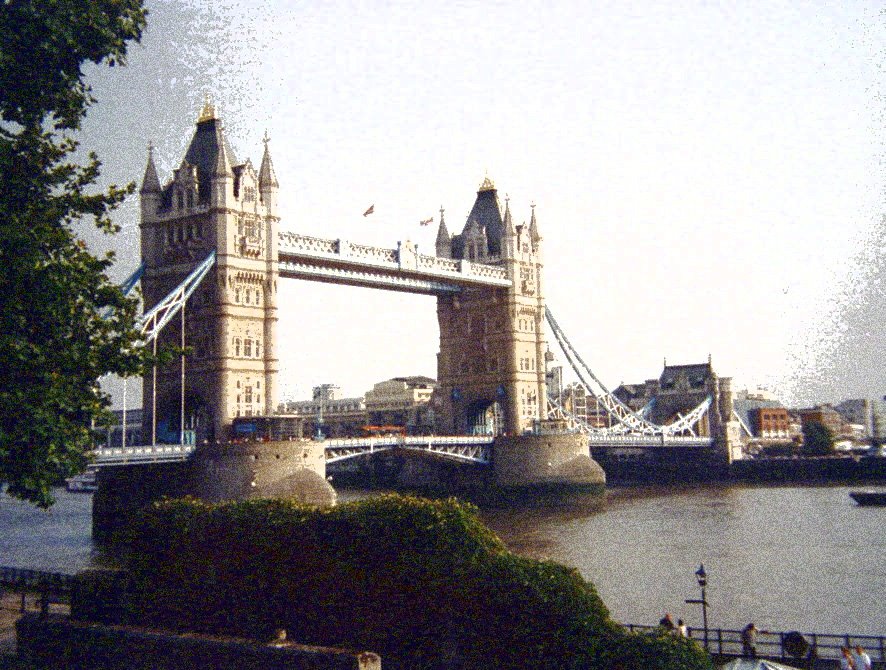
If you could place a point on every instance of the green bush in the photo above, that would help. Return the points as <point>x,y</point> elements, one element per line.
<point>423,583</point>
<point>98,595</point>
<point>655,651</point>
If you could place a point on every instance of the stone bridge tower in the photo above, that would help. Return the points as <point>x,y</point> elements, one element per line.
<point>491,365</point>
<point>213,203</point>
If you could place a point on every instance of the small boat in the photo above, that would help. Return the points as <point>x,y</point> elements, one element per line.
<point>869,498</point>
<point>82,483</point>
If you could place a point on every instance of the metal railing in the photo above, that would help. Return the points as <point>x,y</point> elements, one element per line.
<point>50,587</point>
<point>772,644</point>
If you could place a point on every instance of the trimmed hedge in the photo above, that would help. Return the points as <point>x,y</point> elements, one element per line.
<point>423,583</point>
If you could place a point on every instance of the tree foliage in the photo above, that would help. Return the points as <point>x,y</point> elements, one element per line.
<point>423,583</point>
<point>818,439</point>
<point>54,342</point>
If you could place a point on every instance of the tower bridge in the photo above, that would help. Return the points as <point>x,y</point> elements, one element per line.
<point>213,256</point>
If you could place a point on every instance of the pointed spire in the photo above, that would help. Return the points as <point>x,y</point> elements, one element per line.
<point>222,162</point>
<point>444,241</point>
<point>533,228</point>
<point>150,183</point>
<point>267,178</point>
<point>510,230</point>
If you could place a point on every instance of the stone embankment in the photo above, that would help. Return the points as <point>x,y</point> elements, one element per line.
<point>58,641</point>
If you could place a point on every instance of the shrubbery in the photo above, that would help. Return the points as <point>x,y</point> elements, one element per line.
<point>423,583</point>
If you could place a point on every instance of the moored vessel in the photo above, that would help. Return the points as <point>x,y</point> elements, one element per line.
<point>82,483</point>
<point>869,498</point>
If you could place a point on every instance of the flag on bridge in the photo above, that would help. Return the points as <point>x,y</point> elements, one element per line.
<point>369,211</point>
<point>425,222</point>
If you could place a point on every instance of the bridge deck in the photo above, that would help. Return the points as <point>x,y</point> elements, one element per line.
<point>401,269</point>
<point>470,448</point>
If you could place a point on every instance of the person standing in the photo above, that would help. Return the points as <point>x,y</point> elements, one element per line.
<point>667,622</point>
<point>846,661</point>
<point>682,630</point>
<point>860,658</point>
<point>749,640</point>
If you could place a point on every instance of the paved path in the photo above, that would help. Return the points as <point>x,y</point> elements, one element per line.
<point>11,610</point>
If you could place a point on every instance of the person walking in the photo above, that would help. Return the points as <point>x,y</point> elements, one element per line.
<point>846,661</point>
<point>682,630</point>
<point>749,640</point>
<point>667,622</point>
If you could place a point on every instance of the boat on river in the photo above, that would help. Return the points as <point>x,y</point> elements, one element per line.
<point>82,483</point>
<point>869,498</point>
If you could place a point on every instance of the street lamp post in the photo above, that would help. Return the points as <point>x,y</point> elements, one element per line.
<point>702,578</point>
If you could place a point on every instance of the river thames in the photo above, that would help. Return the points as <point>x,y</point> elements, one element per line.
<point>792,557</point>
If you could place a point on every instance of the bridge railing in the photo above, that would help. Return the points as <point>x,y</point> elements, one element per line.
<point>381,257</point>
<point>159,453</point>
<point>616,440</point>
<point>774,644</point>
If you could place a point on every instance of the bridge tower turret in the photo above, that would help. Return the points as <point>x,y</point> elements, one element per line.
<point>491,363</point>
<point>213,203</point>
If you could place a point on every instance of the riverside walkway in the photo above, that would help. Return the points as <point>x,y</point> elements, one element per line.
<point>726,644</point>
<point>24,590</point>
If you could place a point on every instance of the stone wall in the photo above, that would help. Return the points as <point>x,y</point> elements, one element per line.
<point>545,460</point>
<point>57,641</point>
<point>292,469</point>
<point>800,470</point>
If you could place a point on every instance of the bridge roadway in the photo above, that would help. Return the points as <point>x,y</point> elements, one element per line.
<point>465,448</point>
<point>627,441</point>
<point>401,269</point>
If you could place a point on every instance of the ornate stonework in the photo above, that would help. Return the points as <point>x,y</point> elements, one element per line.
<point>212,203</point>
<point>491,363</point>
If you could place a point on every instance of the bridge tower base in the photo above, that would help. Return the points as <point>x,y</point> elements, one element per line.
<point>545,460</point>
<point>294,470</point>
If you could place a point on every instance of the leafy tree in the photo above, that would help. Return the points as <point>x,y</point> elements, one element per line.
<point>818,439</point>
<point>54,342</point>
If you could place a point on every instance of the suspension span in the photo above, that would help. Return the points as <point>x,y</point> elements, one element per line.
<point>628,420</point>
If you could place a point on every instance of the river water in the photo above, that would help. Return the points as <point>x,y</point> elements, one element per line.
<point>794,557</point>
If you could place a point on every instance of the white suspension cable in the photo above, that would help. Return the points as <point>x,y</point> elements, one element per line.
<point>629,420</point>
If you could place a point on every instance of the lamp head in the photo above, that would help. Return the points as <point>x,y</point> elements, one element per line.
<point>701,576</point>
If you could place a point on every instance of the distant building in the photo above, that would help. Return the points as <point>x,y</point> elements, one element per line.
<point>327,412</point>
<point>828,417</point>
<point>679,390</point>
<point>636,396</point>
<point>770,423</point>
<point>402,401</point>
<point>577,401</point>
<point>858,411</point>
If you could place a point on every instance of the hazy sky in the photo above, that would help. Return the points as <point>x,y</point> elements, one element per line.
<point>709,177</point>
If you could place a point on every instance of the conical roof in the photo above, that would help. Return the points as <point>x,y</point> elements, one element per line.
<point>442,232</point>
<point>266,175</point>
<point>151,182</point>
<point>210,153</point>
<point>533,229</point>
<point>487,214</point>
